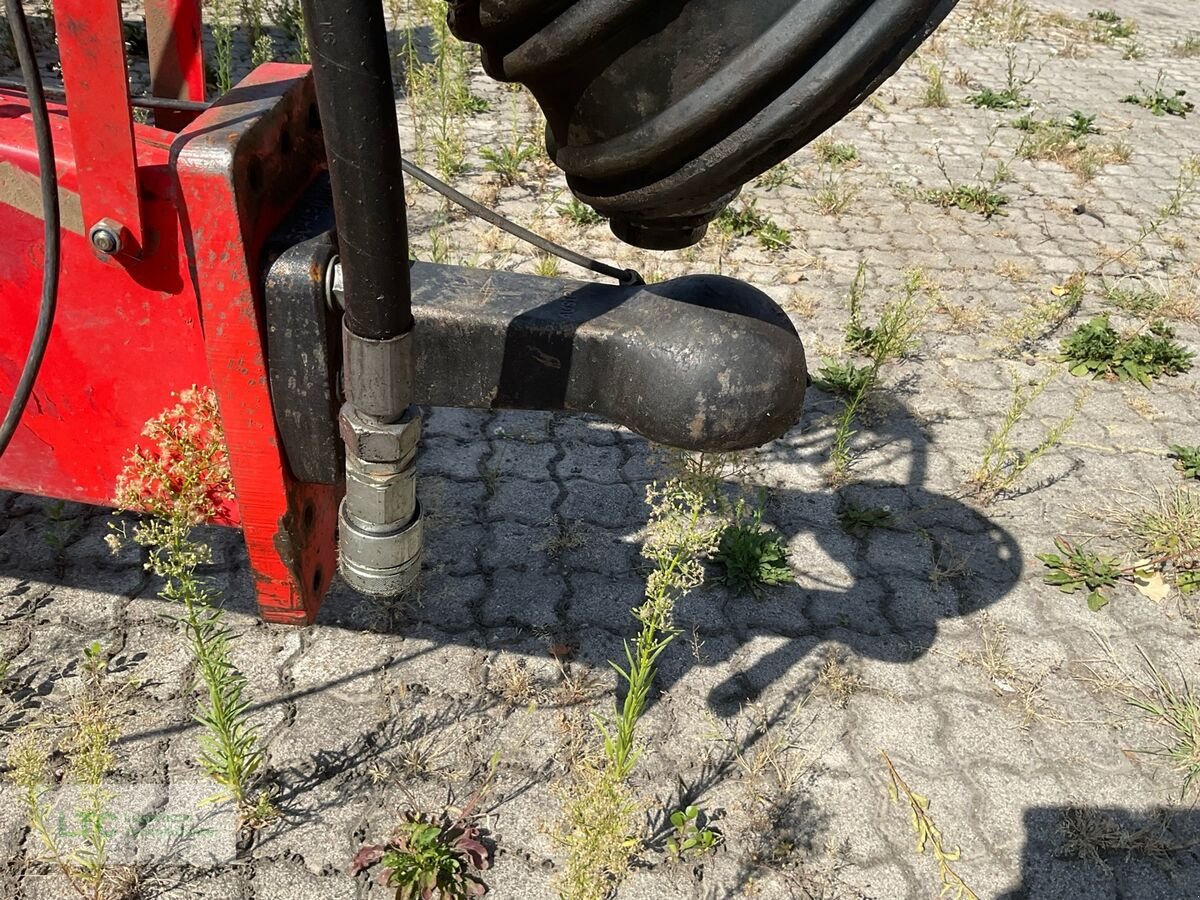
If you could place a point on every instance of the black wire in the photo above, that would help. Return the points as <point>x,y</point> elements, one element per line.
<point>139,101</point>
<point>50,215</point>
<point>623,276</point>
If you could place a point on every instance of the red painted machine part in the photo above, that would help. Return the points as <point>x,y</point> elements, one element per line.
<point>126,337</point>
<point>131,333</point>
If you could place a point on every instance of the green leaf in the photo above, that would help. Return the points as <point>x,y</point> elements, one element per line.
<point>1096,601</point>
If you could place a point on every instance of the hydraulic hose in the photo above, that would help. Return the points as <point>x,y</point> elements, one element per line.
<point>50,216</point>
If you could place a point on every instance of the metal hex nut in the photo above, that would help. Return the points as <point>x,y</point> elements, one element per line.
<point>373,442</point>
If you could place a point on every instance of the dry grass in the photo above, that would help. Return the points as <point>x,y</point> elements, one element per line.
<point>1018,686</point>
<point>1088,834</point>
<point>837,679</point>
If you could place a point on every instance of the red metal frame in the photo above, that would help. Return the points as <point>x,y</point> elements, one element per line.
<point>133,331</point>
<point>173,39</point>
<point>91,48</point>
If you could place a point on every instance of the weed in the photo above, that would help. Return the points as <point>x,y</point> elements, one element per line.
<point>289,16</point>
<point>843,377</point>
<point>1012,95</point>
<point>263,50</point>
<point>1110,26</point>
<point>929,836</point>
<point>749,221</point>
<point>999,21</point>
<point>509,158</point>
<point>1139,297</point>
<point>84,735</point>
<point>971,198</point>
<point>1095,349</point>
<point>1175,707</point>
<point>858,520</point>
<point>1075,568</point>
<point>775,176</point>
<point>694,835</point>
<point>599,828</point>
<point>1161,102</point>
<point>429,857</point>
<point>1187,460</point>
<point>1185,189</point>
<point>182,480</point>
<point>835,153</point>
<point>935,88</point>
<point>837,679</point>
<point>579,213</point>
<point>600,832</point>
<point>751,554</point>
<point>982,197</point>
<point>1002,465</point>
<point>546,265</point>
<point>222,24</point>
<point>892,339</point>
<point>834,194</point>
<point>1066,143</point>
<point>1088,834</point>
<point>1187,46</point>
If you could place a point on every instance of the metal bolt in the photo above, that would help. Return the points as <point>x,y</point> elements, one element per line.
<point>105,236</point>
<point>334,294</point>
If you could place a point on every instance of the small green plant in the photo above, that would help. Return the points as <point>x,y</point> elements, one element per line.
<point>935,88</point>
<point>843,377</point>
<point>693,835</point>
<point>1012,95</point>
<point>1095,349</point>
<point>1076,568</point>
<point>983,196</point>
<point>834,192</point>
<point>579,213</point>
<point>1110,26</point>
<point>751,555</point>
<point>835,153</point>
<point>929,836</point>
<point>1002,464</point>
<point>1162,102</point>
<point>428,857</point>
<point>974,198</point>
<point>507,160</point>
<point>748,221</point>
<point>1187,460</point>
<point>858,520</point>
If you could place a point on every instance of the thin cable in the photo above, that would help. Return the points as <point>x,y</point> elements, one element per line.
<point>138,101</point>
<point>50,215</point>
<point>624,276</point>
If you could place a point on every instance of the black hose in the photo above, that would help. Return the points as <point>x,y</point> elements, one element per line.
<point>50,215</point>
<point>352,75</point>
